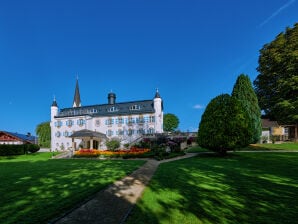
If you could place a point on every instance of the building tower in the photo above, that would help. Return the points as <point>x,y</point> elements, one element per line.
<point>77,98</point>
<point>54,109</point>
<point>158,107</point>
<point>54,112</point>
<point>111,98</point>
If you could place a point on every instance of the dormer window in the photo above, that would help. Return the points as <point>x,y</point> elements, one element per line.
<point>113,109</point>
<point>135,107</point>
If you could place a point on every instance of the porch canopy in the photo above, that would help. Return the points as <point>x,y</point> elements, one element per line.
<point>87,135</point>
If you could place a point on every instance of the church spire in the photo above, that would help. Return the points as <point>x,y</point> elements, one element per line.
<point>77,98</point>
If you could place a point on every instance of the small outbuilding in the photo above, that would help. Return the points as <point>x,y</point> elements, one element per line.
<point>11,138</point>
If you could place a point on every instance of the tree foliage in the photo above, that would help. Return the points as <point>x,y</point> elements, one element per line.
<point>43,130</point>
<point>170,122</point>
<point>277,83</point>
<point>113,144</point>
<point>245,94</point>
<point>223,125</point>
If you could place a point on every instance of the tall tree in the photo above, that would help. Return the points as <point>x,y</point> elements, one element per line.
<point>223,125</point>
<point>43,130</point>
<point>170,122</point>
<point>245,94</point>
<point>277,83</point>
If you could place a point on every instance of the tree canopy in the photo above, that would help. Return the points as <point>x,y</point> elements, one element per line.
<point>43,130</point>
<point>245,94</point>
<point>223,125</point>
<point>277,83</point>
<point>170,122</point>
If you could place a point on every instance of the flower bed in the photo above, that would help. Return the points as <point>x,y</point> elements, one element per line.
<point>118,153</point>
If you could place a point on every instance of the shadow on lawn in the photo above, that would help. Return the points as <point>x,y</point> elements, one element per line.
<point>237,189</point>
<point>34,192</point>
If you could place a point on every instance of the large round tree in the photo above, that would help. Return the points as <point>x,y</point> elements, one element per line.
<point>277,83</point>
<point>170,122</point>
<point>223,125</point>
<point>245,94</point>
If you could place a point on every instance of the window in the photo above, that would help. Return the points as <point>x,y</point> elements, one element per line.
<point>69,123</point>
<point>151,131</point>
<point>120,132</point>
<point>66,134</point>
<point>146,119</point>
<point>109,132</point>
<point>58,124</point>
<point>113,109</point>
<point>130,131</point>
<point>151,119</point>
<point>97,123</point>
<point>141,131</point>
<point>58,134</point>
<point>141,120</point>
<point>135,107</point>
<point>81,122</point>
<point>109,121</point>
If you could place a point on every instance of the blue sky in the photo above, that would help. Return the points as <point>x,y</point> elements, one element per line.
<point>190,50</point>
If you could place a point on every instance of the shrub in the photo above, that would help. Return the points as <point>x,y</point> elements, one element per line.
<point>10,150</point>
<point>113,144</point>
<point>33,148</point>
<point>223,125</point>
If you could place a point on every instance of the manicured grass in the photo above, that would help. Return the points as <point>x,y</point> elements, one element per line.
<point>196,149</point>
<point>35,189</point>
<point>282,146</point>
<point>240,188</point>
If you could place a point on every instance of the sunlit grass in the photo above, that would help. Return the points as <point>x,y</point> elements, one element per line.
<point>35,189</point>
<point>240,188</point>
<point>270,146</point>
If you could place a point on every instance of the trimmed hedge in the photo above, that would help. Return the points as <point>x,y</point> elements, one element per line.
<point>10,150</point>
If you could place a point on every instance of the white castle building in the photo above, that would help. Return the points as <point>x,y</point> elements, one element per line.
<point>90,126</point>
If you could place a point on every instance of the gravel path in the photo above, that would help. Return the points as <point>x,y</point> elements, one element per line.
<point>113,204</point>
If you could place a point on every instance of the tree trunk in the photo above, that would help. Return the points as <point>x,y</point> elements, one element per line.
<point>296,133</point>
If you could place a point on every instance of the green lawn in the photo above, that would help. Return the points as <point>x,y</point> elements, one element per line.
<point>35,189</point>
<point>240,188</point>
<point>282,146</point>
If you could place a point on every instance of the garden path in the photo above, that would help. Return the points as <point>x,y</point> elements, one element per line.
<point>113,204</point>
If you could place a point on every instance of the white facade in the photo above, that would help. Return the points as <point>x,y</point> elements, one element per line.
<point>126,121</point>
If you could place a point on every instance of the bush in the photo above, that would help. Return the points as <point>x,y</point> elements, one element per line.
<point>9,150</point>
<point>113,144</point>
<point>223,125</point>
<point>33,148</point>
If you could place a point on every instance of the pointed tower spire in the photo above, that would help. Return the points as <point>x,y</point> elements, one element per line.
<point>54,104</point>
<point>77,98</point>
<point>157,95</point>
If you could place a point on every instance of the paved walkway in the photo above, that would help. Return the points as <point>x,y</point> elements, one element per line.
<point>113,204</point>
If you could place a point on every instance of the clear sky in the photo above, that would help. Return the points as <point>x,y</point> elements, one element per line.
<point>191,50</point>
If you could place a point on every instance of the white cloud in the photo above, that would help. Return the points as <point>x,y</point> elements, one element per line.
<point>277,12</point>
<point>198,106</point>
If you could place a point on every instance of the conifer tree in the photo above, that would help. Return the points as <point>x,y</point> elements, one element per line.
<point>223,125</point>
<point>245,94</point>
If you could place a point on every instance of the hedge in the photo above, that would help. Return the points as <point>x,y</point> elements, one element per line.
<point>9,150</point>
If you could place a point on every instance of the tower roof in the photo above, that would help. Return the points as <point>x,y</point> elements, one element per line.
<point>157,95</point>
<point>77,98</point>
<point>54,104</point>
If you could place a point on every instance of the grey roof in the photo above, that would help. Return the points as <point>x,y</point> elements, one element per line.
<point>105,110</point>
<point>77,98</point>
<point>87,133</point>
